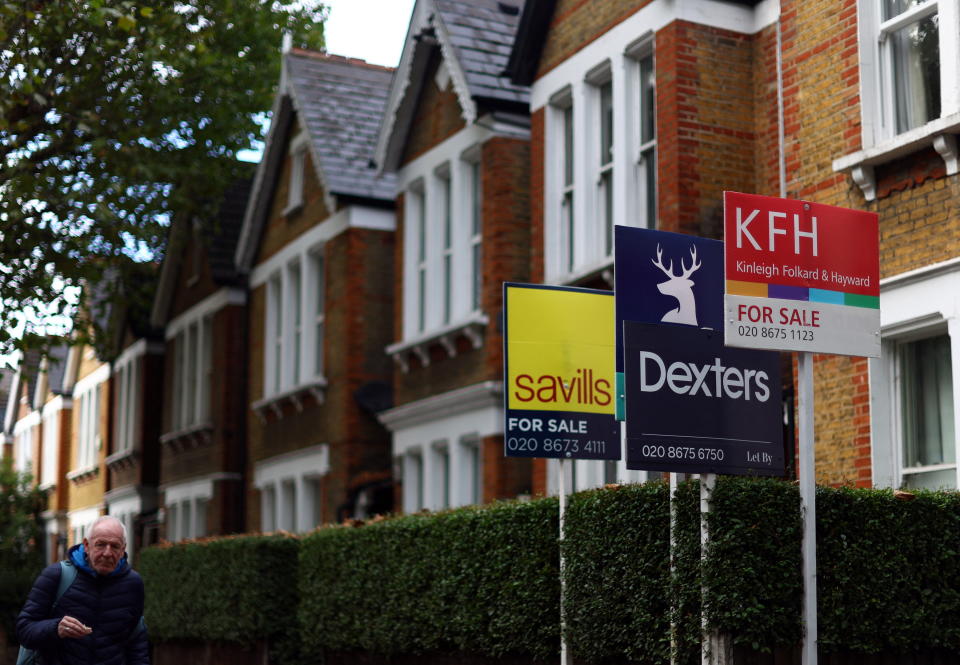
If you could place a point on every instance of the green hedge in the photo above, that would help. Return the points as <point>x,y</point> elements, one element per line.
<point>479,580</point>
<point>237,589</point>
<point>486,580</point>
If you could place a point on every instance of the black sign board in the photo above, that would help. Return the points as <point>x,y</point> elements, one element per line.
<point>695,406</point>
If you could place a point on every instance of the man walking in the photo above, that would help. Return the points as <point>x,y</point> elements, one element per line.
<point>97,620</point>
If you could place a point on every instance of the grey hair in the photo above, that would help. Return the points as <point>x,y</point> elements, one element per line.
<point>108,518</point>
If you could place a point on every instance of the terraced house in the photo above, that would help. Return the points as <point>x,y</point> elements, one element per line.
<point>644,112</point>
<point>317,248</point>
<point>456,134</point>
<point>334,348</point>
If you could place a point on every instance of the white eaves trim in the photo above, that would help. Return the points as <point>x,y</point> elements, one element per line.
<point>215,301</point>
<point>350,217</point>
<point>424,16</point>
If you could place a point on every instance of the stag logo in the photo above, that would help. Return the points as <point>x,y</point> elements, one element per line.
<point>679,287</point>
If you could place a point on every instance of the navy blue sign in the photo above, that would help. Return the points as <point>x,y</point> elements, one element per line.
<point>664,277</point>
<point>696,406</point>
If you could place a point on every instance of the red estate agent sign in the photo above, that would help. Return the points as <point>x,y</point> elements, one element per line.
<point>801,276</point>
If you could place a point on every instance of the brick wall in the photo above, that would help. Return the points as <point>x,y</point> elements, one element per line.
<point>437,114</point>
<point>576,23</point>
<point>705,124</point>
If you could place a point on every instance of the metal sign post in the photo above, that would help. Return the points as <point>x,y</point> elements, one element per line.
<point>808,507</point>
<point>802,276</point>
<point>565,657</point>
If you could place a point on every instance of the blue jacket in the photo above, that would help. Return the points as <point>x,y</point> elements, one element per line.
<point>109,604</point>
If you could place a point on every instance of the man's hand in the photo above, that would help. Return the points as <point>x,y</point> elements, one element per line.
<point>70,627</point>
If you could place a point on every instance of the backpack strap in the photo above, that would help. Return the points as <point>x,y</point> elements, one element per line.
<point>68,573</point>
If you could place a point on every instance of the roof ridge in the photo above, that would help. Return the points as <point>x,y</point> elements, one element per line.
<point>343,59</point>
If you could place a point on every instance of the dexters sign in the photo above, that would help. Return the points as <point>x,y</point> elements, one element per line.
<point>558,373</point>
<point>664,277</point>
<point>801,276</point>
<point>695,406</point>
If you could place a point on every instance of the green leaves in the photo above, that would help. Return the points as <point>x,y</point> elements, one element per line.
<point>486,580</point>
<point>116,116</point>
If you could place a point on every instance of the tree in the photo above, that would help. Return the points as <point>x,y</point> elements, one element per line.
<point>21,531</point>
<point>114,116</point>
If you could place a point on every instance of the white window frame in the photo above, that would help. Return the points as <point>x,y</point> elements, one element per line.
<point>294,323</point>
<point>193,365</point>
<point>185,506</point>
<point>474,213</point>
<point>640,57</point>
<point>126,379</point>
<point>88,395</point>
<point>425,319</point>
<point>879,118</point>
<point>915,305</point>
<point>290,489</point>
<point>298,160</point>
<point>24,433</point>
<point>445,223</point>
<point>50,445</point>
<point>584,247</point>
<point>599,81</point>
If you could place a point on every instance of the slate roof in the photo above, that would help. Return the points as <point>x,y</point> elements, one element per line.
<point>341,102</point>
<point>56,368</point>
<point>482,33</point>
<point>223,243</point>
<point>6,383</point>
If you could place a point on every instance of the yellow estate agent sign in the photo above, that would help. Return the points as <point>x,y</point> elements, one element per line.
<point>559,368</point>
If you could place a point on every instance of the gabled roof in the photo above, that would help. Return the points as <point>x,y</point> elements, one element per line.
<point>475,38</point>
<point>339,102</point>
<point>221,235</point>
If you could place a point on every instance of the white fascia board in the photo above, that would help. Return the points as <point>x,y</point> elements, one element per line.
<point>651,18</point>
<point>401,79</point>
<point>929,294</point>
<point>139,348</point>
<point>353,216</point>
<point>249,236</point>
<point>450,150</point>
<point>305,463</point>
<point>99,375</point>
<point>30,420</point>
<point>216,301</point>
<point>472,411</point>
<point>196,488</point>
<point>58,403</point>
<point>468,109</point>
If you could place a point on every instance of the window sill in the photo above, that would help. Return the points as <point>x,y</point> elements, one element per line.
<point>78,476</point>
<point>274,403</point>
<point>188,437</point>
<point>122,459</point>
<point>941,134</point>
<point>600,270</point>
<point>472,328</point>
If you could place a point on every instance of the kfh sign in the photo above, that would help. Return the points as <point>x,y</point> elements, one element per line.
<point>801,276</point>
<point>559,373</point>
<point>694,406</point>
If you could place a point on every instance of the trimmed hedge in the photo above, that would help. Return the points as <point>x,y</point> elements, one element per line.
<point>235,589</point>
<point>479,580</point>
<point>486,580</point>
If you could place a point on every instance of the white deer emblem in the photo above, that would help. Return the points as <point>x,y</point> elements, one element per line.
<point>679,287</point>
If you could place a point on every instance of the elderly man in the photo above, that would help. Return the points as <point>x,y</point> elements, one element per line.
<point>97,620</point>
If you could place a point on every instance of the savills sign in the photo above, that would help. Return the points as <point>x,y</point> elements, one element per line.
<point>559,373</point>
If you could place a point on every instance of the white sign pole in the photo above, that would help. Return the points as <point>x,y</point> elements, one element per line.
<point>674,482</point>
<point>565,657</point>
<point>808,508</point>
